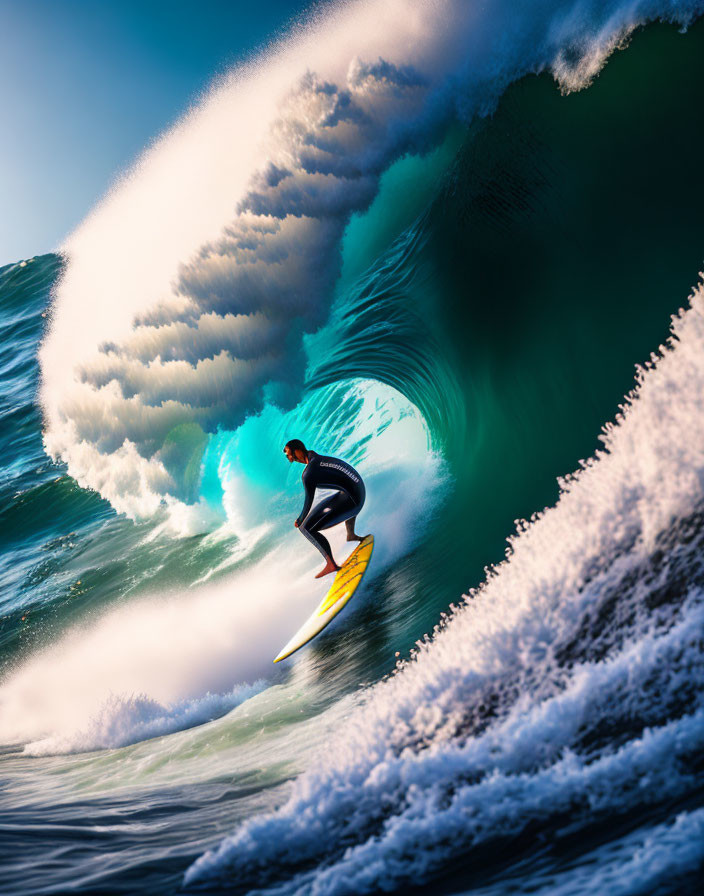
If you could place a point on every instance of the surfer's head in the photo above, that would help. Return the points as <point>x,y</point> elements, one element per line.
<point>294,449</point>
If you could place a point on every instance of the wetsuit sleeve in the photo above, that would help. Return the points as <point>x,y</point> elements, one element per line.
<point>309,486</point>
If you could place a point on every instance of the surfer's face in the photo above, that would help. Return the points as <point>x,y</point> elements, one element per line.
<point>293,455</point>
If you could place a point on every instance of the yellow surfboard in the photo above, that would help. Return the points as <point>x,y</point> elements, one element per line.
<point>346,583</point>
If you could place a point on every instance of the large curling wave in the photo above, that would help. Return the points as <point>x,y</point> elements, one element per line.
<point>187,296</point>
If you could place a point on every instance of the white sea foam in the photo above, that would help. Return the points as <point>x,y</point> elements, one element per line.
<point>122,720</point>
<point>664,859</point>
<point>156,663</point>
<point>189,288</point>
<point>495,723</point>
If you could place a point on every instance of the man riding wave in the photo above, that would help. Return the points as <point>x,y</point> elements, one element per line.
<point>328,473</point>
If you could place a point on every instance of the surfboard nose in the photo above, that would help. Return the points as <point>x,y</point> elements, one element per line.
<point>347,580</point>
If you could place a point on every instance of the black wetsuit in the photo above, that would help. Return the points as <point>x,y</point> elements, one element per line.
<point>330,473</point>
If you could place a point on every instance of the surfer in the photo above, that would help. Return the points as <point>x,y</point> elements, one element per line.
<point>329,473</point>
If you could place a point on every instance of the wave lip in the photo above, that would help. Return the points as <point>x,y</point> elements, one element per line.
<point>570,685</point>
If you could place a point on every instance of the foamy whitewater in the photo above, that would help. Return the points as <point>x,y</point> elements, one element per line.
<point>265,272</point>
<point>487,729</point>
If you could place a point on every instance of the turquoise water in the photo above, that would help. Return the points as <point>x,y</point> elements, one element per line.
<point>488,308</point>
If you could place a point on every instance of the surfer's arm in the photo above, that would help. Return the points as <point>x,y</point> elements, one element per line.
<point>310,492</point>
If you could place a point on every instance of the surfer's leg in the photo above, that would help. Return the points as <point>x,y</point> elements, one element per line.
<point>320,541</point>
<point>344,509</point>
<point>338,508</point>
<point>311,526</point>
<point>341,508</point>
<point>351,534</point>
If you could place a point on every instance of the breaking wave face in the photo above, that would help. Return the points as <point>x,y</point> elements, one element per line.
<point>194,283</point>
<point>568,690</point>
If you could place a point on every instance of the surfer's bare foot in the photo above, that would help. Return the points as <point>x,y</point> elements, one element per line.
<point>329,567</point>
<point>352,537</point>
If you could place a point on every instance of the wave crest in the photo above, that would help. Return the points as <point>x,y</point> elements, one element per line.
<point>189,290</point>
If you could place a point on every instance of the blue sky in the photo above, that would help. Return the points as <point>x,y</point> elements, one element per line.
<point>86,84</point>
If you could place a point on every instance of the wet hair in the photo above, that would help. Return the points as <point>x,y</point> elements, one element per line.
<point>296,445</point>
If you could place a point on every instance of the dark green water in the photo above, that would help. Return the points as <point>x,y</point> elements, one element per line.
<point>568,233</point>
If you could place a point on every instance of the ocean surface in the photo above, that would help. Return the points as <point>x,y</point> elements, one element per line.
<point>458,245</point>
